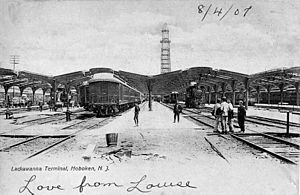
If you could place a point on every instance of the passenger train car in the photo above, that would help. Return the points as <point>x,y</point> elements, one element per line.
<point>106,94</point>
<point>171,98</point>
<point>84,94</point>
<point>174,97</point>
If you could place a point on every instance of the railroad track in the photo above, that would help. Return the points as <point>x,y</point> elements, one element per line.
<point>58,116</point>
<point>263,120</point>
<point>274,121</point>
<point>281,149</point>
<point>256,120</point>
<point>40,121</point>
<point>278,148</point>
<point>68,138</point>
<point>75,124</point>
<point>15,110</point>
<point>33,145</point>
<point>31,142</point>
<point>49,120</point>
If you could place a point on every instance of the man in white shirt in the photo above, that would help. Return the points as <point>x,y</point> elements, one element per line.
<point>225,108</point>
<point>230,115</point>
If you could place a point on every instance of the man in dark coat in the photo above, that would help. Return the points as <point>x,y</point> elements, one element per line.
<point>241,116</point>
<point>136,114</point>
<point>217,112</point>
<point>177,109</point>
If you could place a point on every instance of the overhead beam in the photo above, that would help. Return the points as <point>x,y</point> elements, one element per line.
<point>34,76</point>
<point>69,76</point>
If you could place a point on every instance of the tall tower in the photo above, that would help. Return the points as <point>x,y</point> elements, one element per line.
<point>165,50</point>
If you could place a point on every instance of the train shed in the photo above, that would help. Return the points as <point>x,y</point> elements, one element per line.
<point>218,83</point>
<point>35,81</point>
<point>281,80</point>
<point>214,82</point>
<point>23,80</point>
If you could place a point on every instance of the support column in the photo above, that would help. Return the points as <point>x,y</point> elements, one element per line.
<point>44,91</point>
<point>281,86</point>
<point>5,94</point>
<point>233,85</point>
<point>223,89</point>
<point>247,84</point>
<point>33,94</point>
<point>67,91</point>
<point>78,95</point>
<point>297,94</point>
<point>85,94</point>
<point>150,101</point>
<point>258,94</point>
<point>150,86</point>
<point>21,90</point>
<point>53,91</point>
<point>216,93</point>
<point>209,94</point>
<point>67,88</point>
<point>269,94</point>
<point>13,87</point>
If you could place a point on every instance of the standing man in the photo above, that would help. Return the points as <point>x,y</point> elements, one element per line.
<point>225,109</point>
<point>8,113</point>
<point>230,115</point>
<point>41,106</point>
<point>176,110</point>
<point>68,115</point>
<point>217,113</point>
<point>241,116</point>
<point>136,114</point>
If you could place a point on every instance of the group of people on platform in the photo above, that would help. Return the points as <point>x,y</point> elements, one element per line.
<point>223,112</point>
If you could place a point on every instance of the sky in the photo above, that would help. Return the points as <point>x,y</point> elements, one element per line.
<point>60,36</point>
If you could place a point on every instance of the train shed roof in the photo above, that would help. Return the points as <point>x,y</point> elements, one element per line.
<point>277,78</point>
<point>136,80</point>
<point>179,80</point>
<point>23,79</point>
<point>212,79</point>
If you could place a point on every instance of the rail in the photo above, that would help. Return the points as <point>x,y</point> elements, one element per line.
<point>290,156</point>
<point>69,137</point>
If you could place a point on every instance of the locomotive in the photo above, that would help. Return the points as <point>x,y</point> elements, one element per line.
<point>106,94</point>
<point>194,97</point>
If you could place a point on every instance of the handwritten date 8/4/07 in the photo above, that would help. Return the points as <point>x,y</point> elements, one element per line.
<point>220,12</point>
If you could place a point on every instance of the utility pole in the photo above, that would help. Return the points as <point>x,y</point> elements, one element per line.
<point>14,59</point>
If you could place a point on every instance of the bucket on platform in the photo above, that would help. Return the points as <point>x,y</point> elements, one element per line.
<point>111,139</point>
